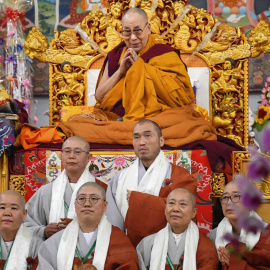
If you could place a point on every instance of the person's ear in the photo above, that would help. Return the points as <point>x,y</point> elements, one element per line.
<point>24,214</point>
<point>162,141</point>
<point>194,212</point>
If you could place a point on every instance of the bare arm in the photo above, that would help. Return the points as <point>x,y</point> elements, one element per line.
<point>107,83</point>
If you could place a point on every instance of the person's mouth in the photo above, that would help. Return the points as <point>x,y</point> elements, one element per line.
<point>175,216</point>
<point>7,221</point>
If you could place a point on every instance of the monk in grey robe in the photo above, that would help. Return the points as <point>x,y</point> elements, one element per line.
<point>19,247</point>
<point>179,244</point>
<point>89,238</point>
<point>136,195</point>
<point>51,208</point>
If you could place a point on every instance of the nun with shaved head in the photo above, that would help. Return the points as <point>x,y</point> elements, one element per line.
<point>179,245</point>
<point>51,208</point>
<point>89,241</point>
<point>19,247</point>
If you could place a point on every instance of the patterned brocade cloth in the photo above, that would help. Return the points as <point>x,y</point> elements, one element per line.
<point>7,137</point>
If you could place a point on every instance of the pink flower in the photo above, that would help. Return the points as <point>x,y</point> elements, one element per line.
<point>264,90</point>
<point>268,89</point>
<point>262,97</point>
<point>268,95</point>
<point>266,84</point>
<point>264,102</point>
<point>119,161</point>
<point>268,79</point>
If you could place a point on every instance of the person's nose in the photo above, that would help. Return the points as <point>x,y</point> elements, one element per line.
<point>133,36</point>
<point>176,207</point>
<point>142,141</point>
<point>87,203</point>
<point>7,213</point>
<point>71,155</point>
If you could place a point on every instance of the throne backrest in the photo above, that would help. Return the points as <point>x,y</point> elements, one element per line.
<point>219,50</point>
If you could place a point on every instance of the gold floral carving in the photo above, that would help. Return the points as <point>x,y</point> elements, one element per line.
<point>194,31</point>
<point>17,183</point>
<point>218,183</point>
<point>259,39</point>
<point>229,100</point>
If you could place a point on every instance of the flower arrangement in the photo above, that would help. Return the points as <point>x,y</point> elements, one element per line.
<point>263,114</point>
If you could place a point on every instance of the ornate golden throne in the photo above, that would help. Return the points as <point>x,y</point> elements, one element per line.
<point>201,39</point>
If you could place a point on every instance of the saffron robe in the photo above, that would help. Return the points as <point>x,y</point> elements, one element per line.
<point>32,258</point>
<point>38,207</point>
<point>121,254</point>
<point>257,259</point>
<point>145,214</point>
<point>206,256</point>
<point>156,82</point>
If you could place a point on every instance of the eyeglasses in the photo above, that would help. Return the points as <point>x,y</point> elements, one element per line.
<point>137,32</point>
<point>76,152</point>
<point>234,198</point>
<point>92,200</point>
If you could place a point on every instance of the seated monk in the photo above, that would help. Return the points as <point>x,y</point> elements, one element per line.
<point>19,247</point>
<point>89,239</point>
<point>259,244</point>
<point>141,75</point>
<point>179,245</point>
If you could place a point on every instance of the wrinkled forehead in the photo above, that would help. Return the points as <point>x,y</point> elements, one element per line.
<point>133,19</point>
<point>179,195</point>
<point>230,189</point>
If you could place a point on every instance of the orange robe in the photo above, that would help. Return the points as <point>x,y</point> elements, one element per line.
<point>121,254</point>
<point>146,213</point>
<point>152,86</point>
<point>257,259</point>
<point>206,256</point>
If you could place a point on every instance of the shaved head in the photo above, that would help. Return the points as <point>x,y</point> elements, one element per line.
<point>137,10</point>
<point>93,184</point>
<point>192,197</point>
<point>81,140</point>
<point>155,125</point>
<point>16,194</point>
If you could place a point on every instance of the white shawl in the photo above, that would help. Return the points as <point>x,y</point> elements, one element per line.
<point>247,238</point>
<point>68,242</point>
<point>20,249</point>
<point>150,183</point>
<point>57,210</point>
<point>160,248</point>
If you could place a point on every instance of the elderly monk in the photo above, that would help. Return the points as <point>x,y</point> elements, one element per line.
<point>259,244</point>
<point>136,195</point>
<point>179,245</point>
<point>142,77</point>
<point>52,206</point>
<point>19,247</point>
<point>88,233</point>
